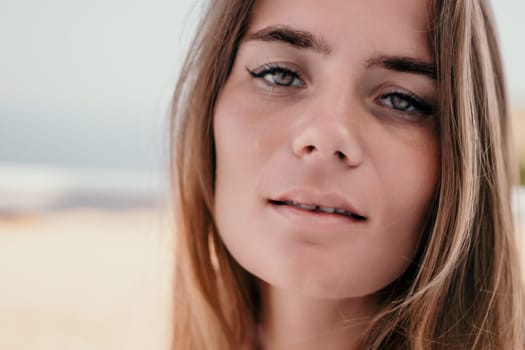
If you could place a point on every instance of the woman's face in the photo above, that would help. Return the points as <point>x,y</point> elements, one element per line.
<point>327,157</point>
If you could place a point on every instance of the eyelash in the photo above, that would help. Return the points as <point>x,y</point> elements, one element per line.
<point>272,68</point>
<point>421,106</point>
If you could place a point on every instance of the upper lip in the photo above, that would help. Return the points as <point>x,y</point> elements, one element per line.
<point>321,199</point>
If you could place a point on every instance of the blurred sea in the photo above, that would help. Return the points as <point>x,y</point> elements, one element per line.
<point>36,188</point>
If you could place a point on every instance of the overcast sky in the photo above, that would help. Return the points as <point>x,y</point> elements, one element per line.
<point>87,83</point>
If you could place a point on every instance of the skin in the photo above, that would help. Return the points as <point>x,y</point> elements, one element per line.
<point>333,129</point>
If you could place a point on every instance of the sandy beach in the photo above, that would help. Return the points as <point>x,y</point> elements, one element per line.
<point>85,279</point>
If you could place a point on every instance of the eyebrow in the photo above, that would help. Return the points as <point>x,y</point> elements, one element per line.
<point>297,38</point>
<point>404,64</point>
<point>305,40</point>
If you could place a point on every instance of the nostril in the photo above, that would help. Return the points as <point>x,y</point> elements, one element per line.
<point>340,155</point>
<point>310,148</point>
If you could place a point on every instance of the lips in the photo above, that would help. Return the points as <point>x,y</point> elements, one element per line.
<point>324,203</point>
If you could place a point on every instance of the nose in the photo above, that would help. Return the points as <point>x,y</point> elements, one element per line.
<point>329,135</point>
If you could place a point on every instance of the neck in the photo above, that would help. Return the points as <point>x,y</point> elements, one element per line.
<point>291,321</point>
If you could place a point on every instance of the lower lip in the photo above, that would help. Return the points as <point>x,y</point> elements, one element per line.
<point>313,219</point>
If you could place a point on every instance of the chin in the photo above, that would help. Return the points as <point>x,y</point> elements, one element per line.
<point>315,283</point>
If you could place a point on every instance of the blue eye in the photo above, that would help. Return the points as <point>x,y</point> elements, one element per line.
<point>277,75</point>
<point>406,102</point>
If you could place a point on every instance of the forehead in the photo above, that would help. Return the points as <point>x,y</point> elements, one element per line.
<point>354,26</point>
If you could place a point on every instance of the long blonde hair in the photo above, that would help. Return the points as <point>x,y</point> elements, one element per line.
<point>463,291</point>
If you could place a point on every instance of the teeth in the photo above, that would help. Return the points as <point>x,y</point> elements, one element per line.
<point>312,207</point>
<point>306,206</point>
<point>327,210</point>
<point>316,208</point>
<point>341,211</point>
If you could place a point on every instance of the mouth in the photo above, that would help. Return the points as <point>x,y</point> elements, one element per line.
<point>316,208</point>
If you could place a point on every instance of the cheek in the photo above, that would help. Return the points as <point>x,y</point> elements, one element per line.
<point>410,173</point>
<point>245,130</point>
<point>404,173</point>
<point>408,176</point>
<point>244,141</point>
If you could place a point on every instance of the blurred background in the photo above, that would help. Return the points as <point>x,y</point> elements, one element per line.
<point>84,232</point>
